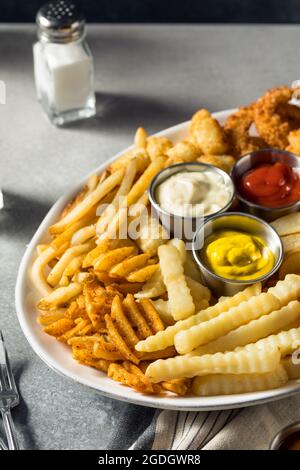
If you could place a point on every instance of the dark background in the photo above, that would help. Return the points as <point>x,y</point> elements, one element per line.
<point>170,11</point>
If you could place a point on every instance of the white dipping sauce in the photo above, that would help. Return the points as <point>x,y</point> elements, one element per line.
<point>193,193</point>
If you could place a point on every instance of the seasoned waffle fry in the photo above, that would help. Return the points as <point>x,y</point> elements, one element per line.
<point>166,337</point>
<point>59,327</point>
<point>178,386</point>
<point>285,341</point>
<point>241,362</point>
<point>81,209</point>
<point>60,296</point>
<point>221,384</point>
<point>186,341</point>
<point>180,299</point>
<point>151,315</point>
<point>253,331</point>
<point>136,317</point>
<point>118,340</point>
<point>287,290</point>
<point>130,378</point>
<point>291,367</point>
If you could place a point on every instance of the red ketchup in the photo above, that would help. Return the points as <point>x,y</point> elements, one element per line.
<point>271,185</point>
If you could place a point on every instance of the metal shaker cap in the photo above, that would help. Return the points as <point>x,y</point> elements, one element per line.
<point>59,21</point>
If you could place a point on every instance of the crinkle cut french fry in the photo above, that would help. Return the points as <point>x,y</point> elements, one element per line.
<point>291,365</point>
<point>60,296</point>
<point>285,341</point>
<point>180,299</point>
<point>288,289</point>
<point>165,338</point>
<point>198,291</point>
<point>240,362</point>
<point>253,331</point>
<point>81,209</point>
<point>229,384</point>
<point>186,341</point>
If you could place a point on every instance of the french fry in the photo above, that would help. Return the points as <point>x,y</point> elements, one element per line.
<point>60,296</point>
<point>186,341</point>
<point>74,266</point>
<point>59,327</point>
<point>154,287</point>
<point>253,331</point>
<point>285,341</point>
<point>151,315</point>
<point>130,378</point>
<point>123,190</point>
<point>180,299</point>
<point>288,224</point>
<point>137,190</point>
<point>66,236</point>
<point>139,155</point>
<point>198,291</point>
<point>151,235</point>
<point>166,338</point>
<point>83,234</point>
<point>291,367</point>
<point>290,264</point>
<point>140,138</point>
<point>133,312</point>
<point>108,260</point>
<point>56,273</point>
<point>241,362</point>
<point>81,209</point>
<point>178,386</point>
<point>125,267</point>
<point>46,318</point>
<point>229,384</point>
<point>287,290</point>
<point>38,276</point>
<point>143,274</point>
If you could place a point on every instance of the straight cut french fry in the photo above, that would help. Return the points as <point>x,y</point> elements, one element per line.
<point>60,296</point>
<point>166,338</point>
<point>229,384</point>
<point>240,362</point>
<point>186,341</point>
<point>253,331</point>
<point>81,209</point>
<point>38,276</point>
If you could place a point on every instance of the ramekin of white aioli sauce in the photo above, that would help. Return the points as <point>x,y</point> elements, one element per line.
<point>183,195</point>
<point>193,193</point>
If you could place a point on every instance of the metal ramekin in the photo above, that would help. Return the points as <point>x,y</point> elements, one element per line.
<point>251,160</point>
<point>282,435</point>
<point>242,223</point>
<point>185,227</point>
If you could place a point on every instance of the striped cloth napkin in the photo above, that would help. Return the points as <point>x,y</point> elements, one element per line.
<point>250,428</point>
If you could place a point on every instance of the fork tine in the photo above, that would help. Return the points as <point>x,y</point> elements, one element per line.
<point>6,376</point>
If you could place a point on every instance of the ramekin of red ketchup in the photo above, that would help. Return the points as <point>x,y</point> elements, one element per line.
<point>271,185</point>
<point>268,183</point>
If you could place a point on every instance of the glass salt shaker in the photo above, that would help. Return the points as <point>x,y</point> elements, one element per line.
<point>63,64</point>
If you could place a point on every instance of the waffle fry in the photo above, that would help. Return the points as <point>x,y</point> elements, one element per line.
<point>186,341</point>
<point>229,384</point>
<point>166,338</point>
<point>240,362</point>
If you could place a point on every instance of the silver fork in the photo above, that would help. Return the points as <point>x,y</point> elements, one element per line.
<point>9,396</point>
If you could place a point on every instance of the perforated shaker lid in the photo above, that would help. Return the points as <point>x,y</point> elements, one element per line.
<point>60,21</point>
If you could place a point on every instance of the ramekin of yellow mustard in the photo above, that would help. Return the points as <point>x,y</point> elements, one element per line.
<point>234,250</point>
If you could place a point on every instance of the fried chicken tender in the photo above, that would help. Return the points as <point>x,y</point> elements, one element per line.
<point>237,129</point>
<point>275,118</point>
<point>207,134</point>
<point>294,142</point>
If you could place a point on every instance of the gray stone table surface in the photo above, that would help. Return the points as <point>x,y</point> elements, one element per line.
<point>152,75</point>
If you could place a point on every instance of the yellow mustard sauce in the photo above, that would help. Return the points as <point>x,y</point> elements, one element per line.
<point>237,255</point>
